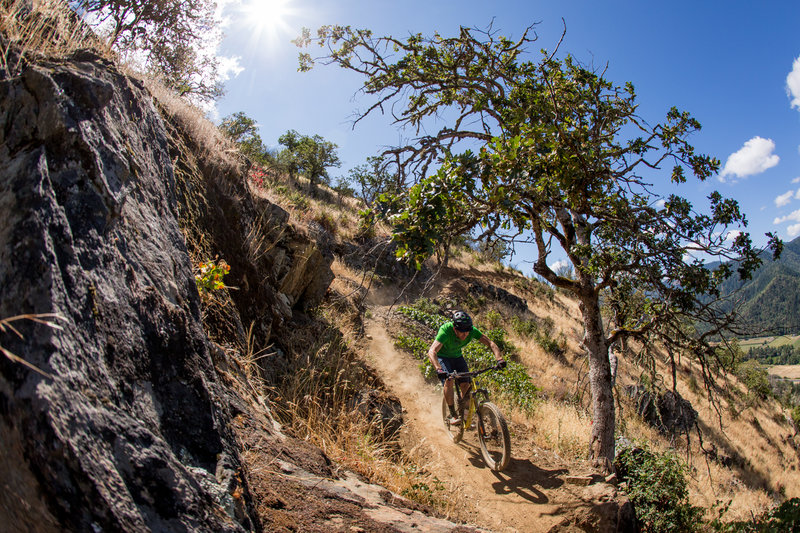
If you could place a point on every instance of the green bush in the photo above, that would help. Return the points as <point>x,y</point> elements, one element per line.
<point>550,345</point>
<point>656,484</point>
<point>423,315</point>
<point>523,327</point>
<point>493,319</point>
<point>755,377</point>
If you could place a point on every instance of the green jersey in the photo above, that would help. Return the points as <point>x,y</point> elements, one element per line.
<point>451,345</point>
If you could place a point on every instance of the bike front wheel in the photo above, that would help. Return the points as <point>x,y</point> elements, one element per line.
<point>493,436</point>
<point>456,431</point>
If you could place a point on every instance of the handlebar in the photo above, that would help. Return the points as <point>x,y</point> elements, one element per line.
<point>465,376</point>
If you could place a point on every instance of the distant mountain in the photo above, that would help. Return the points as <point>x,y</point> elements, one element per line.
<point>772,296</point>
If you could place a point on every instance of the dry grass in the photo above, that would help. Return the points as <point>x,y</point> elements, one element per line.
<point>563,429</point>
<point>759,436</point>
<point>50,28</point>
<point>6,325</point>
<point>337,214</point>
<point>758,439</point>
<point>785,371</point>
<point>212,146</point>
<point>315,402</point>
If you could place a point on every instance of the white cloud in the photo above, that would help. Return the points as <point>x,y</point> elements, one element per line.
<point>229,67</point>
<point>793,230</point>
<point>793,216</point>
<point>560,264</point>
<point>732,235</point>
<point>753,158</point>
<point>784,199</point>
<point>796,180</point>
<point>661,203</point>
<point>793,83</point>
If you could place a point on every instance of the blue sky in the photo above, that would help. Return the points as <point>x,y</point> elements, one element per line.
<point>735,65</point>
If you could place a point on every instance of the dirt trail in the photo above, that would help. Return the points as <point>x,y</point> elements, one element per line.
<point>529,496</point>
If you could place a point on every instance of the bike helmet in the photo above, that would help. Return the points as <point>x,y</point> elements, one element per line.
<point>462,321</point>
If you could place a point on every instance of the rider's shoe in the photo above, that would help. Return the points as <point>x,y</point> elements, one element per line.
<point>454,420</point>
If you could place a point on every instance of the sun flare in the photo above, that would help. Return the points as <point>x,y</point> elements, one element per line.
<point>268,18</point>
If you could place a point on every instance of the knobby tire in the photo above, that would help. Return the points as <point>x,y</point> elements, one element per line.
<point>493,436</point>
<point>456,431</point>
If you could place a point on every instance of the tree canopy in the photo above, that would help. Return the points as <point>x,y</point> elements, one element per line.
<point>308,155</point>
<point>168,36</point>
<point>374,179</point>
<point>552,153</point>
<point>243,131</point>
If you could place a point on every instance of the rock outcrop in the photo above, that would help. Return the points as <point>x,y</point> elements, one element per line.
<point>126,422</point>
<point>666,411</point>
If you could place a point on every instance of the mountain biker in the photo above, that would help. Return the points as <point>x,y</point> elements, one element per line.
<point>445,354</point>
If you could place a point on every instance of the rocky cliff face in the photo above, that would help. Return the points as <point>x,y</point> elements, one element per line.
<point>126,426</point>
<point>114,436</point>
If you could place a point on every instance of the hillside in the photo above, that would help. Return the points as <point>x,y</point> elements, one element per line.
<point>771,299</point>
<point>192,343</point>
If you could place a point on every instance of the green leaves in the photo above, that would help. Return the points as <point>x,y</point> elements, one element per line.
<point>210,275</point>
<point>656,483</point>
<point>309,155</point>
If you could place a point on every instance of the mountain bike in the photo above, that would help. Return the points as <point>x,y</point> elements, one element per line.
<point>493,436</point>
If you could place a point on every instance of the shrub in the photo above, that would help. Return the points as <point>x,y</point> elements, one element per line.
<point>523,327</point>
<point>209,277</point>
<point>694,386</point>
<point>427,306</point>
<point>756,378</point>
<point>344,188</point>
<point>325,219</point>
<point>423,314</point>
<point>656,484</point>
<point>550,345</point>
<point>493,319</point>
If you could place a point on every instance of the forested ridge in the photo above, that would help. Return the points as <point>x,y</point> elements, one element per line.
<point>770,300</point>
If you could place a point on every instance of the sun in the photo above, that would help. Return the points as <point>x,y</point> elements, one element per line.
<point>267,18</point>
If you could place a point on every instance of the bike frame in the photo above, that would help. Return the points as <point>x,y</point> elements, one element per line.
<point>459,397</point>
<point>475,402</point>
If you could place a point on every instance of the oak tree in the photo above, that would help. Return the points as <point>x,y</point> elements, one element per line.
<point>243,131</point>
<point>168,36</point>
<point>550,152</point>
<point>308,155</point>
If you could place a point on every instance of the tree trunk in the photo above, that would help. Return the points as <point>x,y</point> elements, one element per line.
<point>603,423</point>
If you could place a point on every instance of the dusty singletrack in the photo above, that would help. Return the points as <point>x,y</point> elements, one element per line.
<point>529,496</point>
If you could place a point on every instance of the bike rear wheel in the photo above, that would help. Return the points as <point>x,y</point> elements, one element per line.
<point>493,436</point>
<point>456,431</point>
